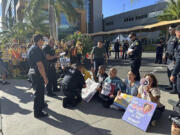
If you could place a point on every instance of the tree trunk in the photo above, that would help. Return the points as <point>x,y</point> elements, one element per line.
<point>52,22</point>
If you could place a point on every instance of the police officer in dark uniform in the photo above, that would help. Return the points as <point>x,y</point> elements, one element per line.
<point>37,70</point>
<point>159,51</point>
<point>51,58</point>
<point>135,54</point>
<point>175,76</point>
<point>170,54</point>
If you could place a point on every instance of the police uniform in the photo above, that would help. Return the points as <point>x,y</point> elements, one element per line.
<point>136,57</point>
<point>159,52</point>
<point>51,70</point>
<point>35,55</point>
<point>176,71</point>
<point>72,85</point>
<point>170,54</point>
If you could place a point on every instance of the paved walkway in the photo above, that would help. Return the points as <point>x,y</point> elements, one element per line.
<point>87,119</point>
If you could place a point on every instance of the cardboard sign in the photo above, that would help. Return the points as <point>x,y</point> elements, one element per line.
<point>90,90</point>
<point>123,101</point>
<point>139,113</point>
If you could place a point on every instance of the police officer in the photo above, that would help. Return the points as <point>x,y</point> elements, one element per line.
<point>135,54</point>
<point>176,71</point>
<point>37,70</point>
<point>170,54</point>
<point>51,58</point>
<point>159,51</point>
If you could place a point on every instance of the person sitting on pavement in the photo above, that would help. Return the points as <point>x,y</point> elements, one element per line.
<point>72,85</point>
<point>131,84</point>
<point>110,88</point>
<point>151,93</point>
<point>101,76</point>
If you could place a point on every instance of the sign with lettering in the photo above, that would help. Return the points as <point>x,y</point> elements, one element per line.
<point>123,100</point>
<point>139,113</point>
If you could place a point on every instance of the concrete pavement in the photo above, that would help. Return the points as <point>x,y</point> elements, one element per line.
<point>87,119</point>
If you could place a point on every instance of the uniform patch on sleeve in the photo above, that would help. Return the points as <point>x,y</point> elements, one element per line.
<point>137,43</point>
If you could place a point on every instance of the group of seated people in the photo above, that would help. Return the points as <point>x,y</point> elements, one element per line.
<point>110,86</point>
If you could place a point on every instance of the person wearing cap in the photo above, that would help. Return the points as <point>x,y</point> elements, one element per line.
<point>135,54</point>
<point>37,70</point>
<point>170,54</point>
<point>51,58</point>
<point>175,75</point>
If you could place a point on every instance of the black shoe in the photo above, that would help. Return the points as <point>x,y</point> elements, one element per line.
<point>173,92</point>
<point>57,90</point>
<point>40,115</point>
<point>51,95</point>
<point>168,88</point>
<point>45,105</point>
<point>5,83</point>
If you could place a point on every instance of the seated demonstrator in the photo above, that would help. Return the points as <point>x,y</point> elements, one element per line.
<point>37,64</point>
<point>72,85</point>
<point>51,58</point>
<point>135,54</point>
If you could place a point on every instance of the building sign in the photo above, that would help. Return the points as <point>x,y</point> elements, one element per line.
<point>155,14</point>
<point>139,113</point>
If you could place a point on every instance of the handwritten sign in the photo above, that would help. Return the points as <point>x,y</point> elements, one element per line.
<point>123,101</point>
<point>139,113</point>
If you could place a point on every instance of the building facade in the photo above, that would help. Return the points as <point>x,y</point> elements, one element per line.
<point>138,17</point>
<point>8,13</point>
<point>89,20</point>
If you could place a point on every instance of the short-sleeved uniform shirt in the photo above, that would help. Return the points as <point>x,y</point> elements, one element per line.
<point>144,95</point>
<point>48,50</point>
<point>137,50</point>
<point>98,53</point>
<point>73,79</point>
<point>35,55</point>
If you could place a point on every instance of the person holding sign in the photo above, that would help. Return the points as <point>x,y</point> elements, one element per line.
<point>111,86</point>
<point>149,91</point>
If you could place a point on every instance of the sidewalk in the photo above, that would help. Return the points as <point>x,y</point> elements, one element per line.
<point>87,119</point>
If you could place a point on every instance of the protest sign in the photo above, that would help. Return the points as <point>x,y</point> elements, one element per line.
<point>139,113</point>
<point>123,100</point>
<point>90,90</point>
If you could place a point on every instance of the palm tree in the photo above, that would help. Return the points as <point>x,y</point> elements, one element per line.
<point>172,12</point>
<point>55,9</point>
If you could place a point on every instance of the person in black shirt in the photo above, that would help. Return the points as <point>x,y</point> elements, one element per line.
<point>51,58</point>
<point>125,48</point>
<point>116,49</point>
<point>107,46</point>
<point>37,70</point>
<point>72,85</point>
<point>159,51</point>
<point>135,54</point>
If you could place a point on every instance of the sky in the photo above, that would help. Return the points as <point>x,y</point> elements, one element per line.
<point>112,7</point>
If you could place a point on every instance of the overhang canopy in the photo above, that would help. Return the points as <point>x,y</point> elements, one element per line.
<point>159,25</point>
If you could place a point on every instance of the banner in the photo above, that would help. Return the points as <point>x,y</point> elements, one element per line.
<point>90,90</point>
<point>123,101</point>
<point>139,113</point>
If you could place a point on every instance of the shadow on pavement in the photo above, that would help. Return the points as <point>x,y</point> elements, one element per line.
<point>163,126</point>
<point>22,94</point>
<point>92,108</point>
<point>11,107</point>
<point>68,124</point>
